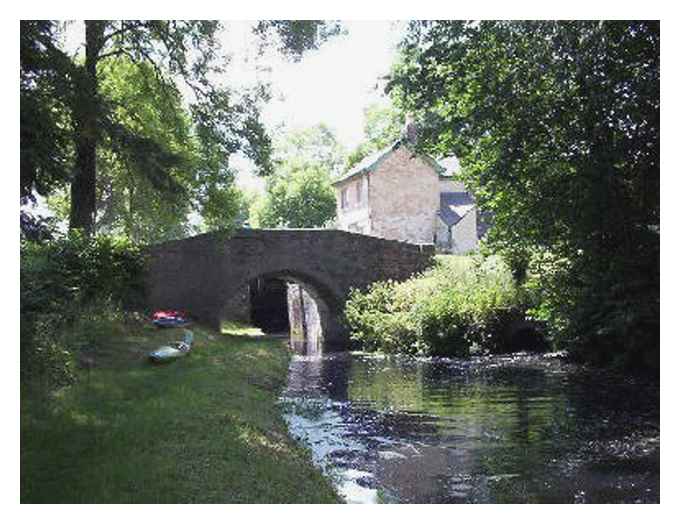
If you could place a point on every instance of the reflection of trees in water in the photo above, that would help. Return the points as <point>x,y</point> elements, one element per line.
<point>472,422</point>
<point>486,432</point>
<point>567,421</point>
<point>611,403</point>
<point>336,374</point>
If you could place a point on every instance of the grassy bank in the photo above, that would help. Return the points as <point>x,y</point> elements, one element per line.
<point>203,429</point>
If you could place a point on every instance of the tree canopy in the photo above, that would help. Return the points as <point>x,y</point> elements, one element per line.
<point>556,125</point>
<point>302,197</point>
<point>69,111</point>
<point>138,195</point>
<point>299,194</point>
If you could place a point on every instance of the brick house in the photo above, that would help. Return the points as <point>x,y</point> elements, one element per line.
<point>396,194</point>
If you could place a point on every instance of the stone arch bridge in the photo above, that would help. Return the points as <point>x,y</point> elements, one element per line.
<point>209,275</point>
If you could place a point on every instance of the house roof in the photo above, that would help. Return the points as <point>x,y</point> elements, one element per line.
<point>372,161</point>
<point>454,206</point>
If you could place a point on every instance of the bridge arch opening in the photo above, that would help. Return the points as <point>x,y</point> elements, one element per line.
<point>296,304</point>
<point>269,305</point>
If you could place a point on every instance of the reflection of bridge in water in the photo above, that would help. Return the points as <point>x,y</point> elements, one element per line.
<point>211,275</point>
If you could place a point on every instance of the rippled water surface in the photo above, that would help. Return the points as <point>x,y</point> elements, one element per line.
<point>499,429</point>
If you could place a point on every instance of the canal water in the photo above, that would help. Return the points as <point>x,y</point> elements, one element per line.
<point>510,429</point>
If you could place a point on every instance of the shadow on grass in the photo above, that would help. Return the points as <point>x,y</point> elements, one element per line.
<point>205,428</point>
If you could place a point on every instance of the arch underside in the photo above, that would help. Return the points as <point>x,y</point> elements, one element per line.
<point>329,305</point>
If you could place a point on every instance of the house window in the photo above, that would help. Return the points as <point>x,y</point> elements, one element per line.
<point>359,189</point>
<point>343,198</point>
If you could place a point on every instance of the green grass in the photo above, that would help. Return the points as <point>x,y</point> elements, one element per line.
<point>205,428</point>
<point>240,329</point>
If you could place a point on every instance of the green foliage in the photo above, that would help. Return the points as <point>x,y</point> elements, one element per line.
<point>316,145</point>
<point>382,126</point>
<point>45,150</point>
<point>299,194</point>
<point>295,37</point>
<point>556,125</point>
<point>302,197</point>
<point>152,173</point>
<point>78,270</point>
<point>602,311</point>
<point>113,126</point>
<point>146,181</point>
<point>226,207</point>
<point>464,304</point>
<point>374,322</point>
<point>70,288</point>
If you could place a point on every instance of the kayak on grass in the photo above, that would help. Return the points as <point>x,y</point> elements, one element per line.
<point>174,351</point>
<point>170,322</point>
<point>169,318</point>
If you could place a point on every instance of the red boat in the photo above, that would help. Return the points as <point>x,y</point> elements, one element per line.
<point>170,318</point>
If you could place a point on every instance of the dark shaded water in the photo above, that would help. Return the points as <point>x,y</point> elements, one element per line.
<point>509,429</point>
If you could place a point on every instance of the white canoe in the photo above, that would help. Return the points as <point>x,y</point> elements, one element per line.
<point>167,353</point>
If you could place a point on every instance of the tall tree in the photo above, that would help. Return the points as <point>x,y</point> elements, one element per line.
<point>177,51</point>
<point>557,128</point>
<point>130,197</point>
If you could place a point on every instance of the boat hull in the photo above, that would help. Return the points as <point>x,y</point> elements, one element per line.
<point>166,354</point>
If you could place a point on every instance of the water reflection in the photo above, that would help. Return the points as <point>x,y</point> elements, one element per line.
<point>305,346</point>
<point>504,429</point>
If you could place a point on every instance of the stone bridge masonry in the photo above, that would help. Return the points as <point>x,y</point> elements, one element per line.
<point>209,274</point>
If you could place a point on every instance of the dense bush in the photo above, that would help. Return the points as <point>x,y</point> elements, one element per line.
<point>602,310</point>
<point>463,304</point>
<point>72,289</point>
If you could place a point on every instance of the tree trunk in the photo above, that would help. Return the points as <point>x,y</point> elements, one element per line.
<point>85,113</point>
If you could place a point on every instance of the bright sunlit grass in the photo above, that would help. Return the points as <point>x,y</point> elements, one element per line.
<point>240,329</point>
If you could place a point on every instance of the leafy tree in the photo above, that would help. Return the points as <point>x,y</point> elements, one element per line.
<point>45,146</point>
<point>382,126</point>
<point>293,37</point>
<point>231,208</point>
<point>130,199</point>
<point>557,128</point>
<point>299,194</point>
<point>301,197</point>
<point>69,285</point>
<point>147,202</point>
<point>224,121</point>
